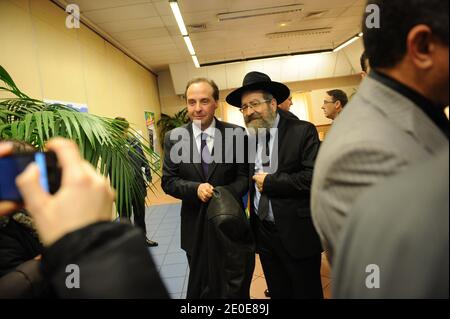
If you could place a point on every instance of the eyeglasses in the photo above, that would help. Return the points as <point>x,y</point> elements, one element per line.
<point>252,105</point>
<point>328,102</point>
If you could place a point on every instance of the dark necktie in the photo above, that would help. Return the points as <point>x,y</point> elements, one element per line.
<point>263,206</point>
<point>205,155</point>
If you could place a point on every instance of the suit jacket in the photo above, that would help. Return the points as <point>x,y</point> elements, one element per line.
<point>182,180</point>
<point>379,134</point>
<point>230,272</point>
<point>405,235</point>
<point>289,187</point>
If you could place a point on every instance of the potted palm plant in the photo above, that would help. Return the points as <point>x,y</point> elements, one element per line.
<point>167,123</point>
<point>101,141</point>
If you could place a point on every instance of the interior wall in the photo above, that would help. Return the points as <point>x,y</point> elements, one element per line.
<point>47,60</point>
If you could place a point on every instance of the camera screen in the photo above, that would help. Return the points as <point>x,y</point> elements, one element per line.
<point>12,166</point>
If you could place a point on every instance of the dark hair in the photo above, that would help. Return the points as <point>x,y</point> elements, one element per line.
<point>20,146</point>
<point>339,95</point>
<point>386,46</point>
<point>205,80</point>
<point>121,123</point>
<point>364,60</point>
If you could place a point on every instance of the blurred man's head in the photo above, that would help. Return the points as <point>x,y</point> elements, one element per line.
<point>202,100</point>
<point>333,103</point>
<point>365,66</point>
<point>286,105</point>
<point>122,124</point>
<point>412,45</point>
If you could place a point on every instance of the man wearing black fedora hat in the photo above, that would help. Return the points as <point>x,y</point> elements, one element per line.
<point>280,180</point>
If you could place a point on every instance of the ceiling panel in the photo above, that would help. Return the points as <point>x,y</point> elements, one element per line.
<point>148,29</point>
<point>132,11</point>
<point>89,5</point>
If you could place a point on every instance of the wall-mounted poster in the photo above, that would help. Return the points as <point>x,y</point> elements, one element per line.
<point>77,106</point>
<point>150,123</point>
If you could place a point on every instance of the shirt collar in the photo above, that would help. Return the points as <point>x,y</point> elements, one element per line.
<point>434,112</point>
<point>209,131</point>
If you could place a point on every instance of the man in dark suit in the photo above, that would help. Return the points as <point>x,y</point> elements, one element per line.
<point>137,157</point>
<point>286,240</point>
<point>192,177</point>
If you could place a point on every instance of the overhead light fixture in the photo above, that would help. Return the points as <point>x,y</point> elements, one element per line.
<point>316,52</point>
<point>189,45</point>
<point>260,12</point>
<point>299,33</point>
<point>177,13</point>
<point>348,42</point>
<point>194,58</point>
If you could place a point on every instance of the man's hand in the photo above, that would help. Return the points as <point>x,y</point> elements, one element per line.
<point>259,181</point>
<point>6,148</point>
<point>205,192</point>
<point>84,198</point>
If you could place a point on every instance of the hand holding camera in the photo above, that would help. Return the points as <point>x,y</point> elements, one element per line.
<point>84,197</point>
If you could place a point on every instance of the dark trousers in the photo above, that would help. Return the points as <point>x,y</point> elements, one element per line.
<point>139,215</point>
<point>286,277</point>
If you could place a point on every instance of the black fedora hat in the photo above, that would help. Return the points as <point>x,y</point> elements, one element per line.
<point>255,81</point>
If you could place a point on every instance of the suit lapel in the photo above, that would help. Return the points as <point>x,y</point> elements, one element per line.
<point>219,141</point>
<point>195,155</point>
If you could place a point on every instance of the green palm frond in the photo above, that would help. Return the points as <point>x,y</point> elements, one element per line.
<point>100,141</point>
<point>167,123</point>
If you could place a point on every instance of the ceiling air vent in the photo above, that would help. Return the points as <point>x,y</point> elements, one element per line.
<point>244,14</point>
<point>315,14</point>
<point>199,27</point>
<point>299,33</point>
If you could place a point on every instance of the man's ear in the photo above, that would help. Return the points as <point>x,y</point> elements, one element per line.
<point>420,46</point>
<point>338,105</point>
<point>274,104</point>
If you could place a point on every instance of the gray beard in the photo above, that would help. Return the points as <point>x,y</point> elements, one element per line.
<point>262,123</point>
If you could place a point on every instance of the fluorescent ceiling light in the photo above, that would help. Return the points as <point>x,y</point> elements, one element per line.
<point>177,13</point>
<point>348,42</point>
<point>189,45</point>
<point>194,58</point>
<point>259,12</point>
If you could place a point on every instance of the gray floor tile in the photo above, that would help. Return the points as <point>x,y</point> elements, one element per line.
<point>158,259</point>
<point>174,285</point>
<point>171,226</point>
<point>158,250</point>
<point>176,270</point>
<point>175,258</point>
<point>162,240</point>
<point>165,232</point>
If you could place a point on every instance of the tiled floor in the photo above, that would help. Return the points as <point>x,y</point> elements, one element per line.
<point>163,226</point>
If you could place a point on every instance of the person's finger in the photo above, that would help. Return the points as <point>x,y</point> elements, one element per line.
<point>30,188</point>
<point>68,157</point>
<point>6,148</point>
<point>8,207</point>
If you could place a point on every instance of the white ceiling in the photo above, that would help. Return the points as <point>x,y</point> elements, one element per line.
<point>148,30</point>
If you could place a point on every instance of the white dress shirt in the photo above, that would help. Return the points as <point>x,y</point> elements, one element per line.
<point>210,132</point>
<point>259,168</point>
